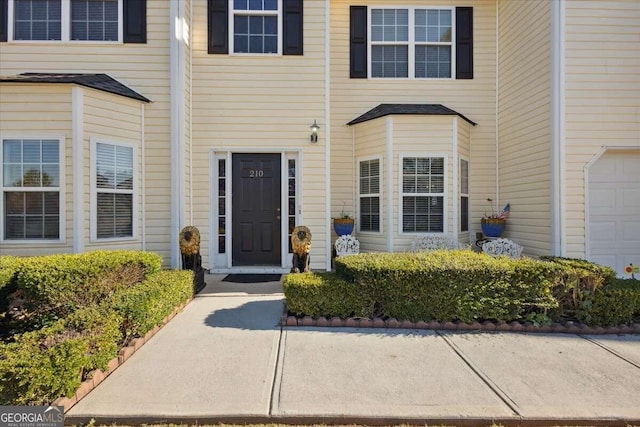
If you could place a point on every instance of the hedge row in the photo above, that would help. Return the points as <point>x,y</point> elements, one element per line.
<point>127,297</point>
<point>145,306</point>
<point>451,285</point>
<point>618,302</point>
<point>326,294</point>
<point>64,283</point>
<point>466,286</point>
<point>8,268</point>
<point>43,365</point>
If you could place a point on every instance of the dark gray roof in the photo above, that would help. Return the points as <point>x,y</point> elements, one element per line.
<point>414,109</point>
<point>101,82</point>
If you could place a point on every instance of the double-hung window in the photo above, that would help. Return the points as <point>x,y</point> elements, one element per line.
<point>369,195</point>
<point>255,25</point>
<point>67,20</point>
<point>412,43</point>
<point>30,189</point>
<point>114,182</point>
<point>423,187</point>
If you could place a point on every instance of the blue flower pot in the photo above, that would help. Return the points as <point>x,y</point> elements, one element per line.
<point>493,227</point>
<point>343,226</point>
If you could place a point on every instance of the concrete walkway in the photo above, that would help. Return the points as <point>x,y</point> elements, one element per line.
<point>225,359</point>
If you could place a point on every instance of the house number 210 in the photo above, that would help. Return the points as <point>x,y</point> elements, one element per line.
<point>256,173</point>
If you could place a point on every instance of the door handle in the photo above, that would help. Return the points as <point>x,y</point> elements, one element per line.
<point>278,217</point>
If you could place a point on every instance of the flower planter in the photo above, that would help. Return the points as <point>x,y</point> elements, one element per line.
<point>343,226</point>
<point>493,227</point>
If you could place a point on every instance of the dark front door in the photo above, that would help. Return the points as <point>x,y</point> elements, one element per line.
<point>256,236</point>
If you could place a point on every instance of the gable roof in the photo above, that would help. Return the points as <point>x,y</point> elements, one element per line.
<point>411,109</point>
<point>101,82</point>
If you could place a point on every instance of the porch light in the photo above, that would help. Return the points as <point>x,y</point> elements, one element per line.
<point>314,132</point>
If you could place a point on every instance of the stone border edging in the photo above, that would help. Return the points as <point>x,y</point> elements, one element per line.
<point>97,376</point>
<point>515,326</point>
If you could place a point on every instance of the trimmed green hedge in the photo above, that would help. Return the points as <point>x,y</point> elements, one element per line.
<point>113,296</point>
<point>145,306</point>
<point>42,365</point>
<point>8,268</point>
<point>452,285</point>
<point>616,303</point>
<point>64,283</point>
<point>466,286</point>
<point>325,294</point>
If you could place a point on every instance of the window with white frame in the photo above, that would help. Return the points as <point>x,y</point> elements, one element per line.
<point>464,195</point>
<point>412,42</point>
<point>369,195</point>
<point>423,194</point>
<point>255,26</point>
<point>31,189</point>
<point>64,20</point>
<point>114,184</point>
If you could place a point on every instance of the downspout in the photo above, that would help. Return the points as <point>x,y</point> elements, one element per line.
<point>557,127</point>
<point>327,139</point>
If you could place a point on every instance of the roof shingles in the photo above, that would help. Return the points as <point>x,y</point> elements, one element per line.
<point>411,109</point>
<point>101,82</point>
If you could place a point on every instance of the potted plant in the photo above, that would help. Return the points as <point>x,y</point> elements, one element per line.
<point>493,225</point>
<point>343,224</point>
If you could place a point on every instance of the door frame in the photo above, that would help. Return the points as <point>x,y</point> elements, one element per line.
<point>222,263</point>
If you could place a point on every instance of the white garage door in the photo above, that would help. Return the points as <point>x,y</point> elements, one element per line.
<point>614,210</point>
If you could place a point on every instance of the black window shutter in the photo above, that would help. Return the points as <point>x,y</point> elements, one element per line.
<point>135,21</point>
<point>464,42</point>
<point>358,42</point>
<point>292,27</point>
<point>218,26</point>
<point>4,16</point>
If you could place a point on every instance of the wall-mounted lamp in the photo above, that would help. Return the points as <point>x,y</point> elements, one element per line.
<point>314,132</point>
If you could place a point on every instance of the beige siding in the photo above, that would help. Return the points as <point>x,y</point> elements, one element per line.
<point>40,111</point>
<point>602,95</point>
<point>525,122</point>
<point>421,136</point>
<point>111,119</point>
<point>474,98</point>
<point>464,151</point>
<point>370,142</point>
<point>144,68</point>
<point>258,103</point>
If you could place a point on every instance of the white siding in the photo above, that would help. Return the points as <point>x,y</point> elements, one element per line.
<point>602,95</point>
<point>525,122</point>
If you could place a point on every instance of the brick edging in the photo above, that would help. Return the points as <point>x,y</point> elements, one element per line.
<point>515,326</point>
<point>97,376</point>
